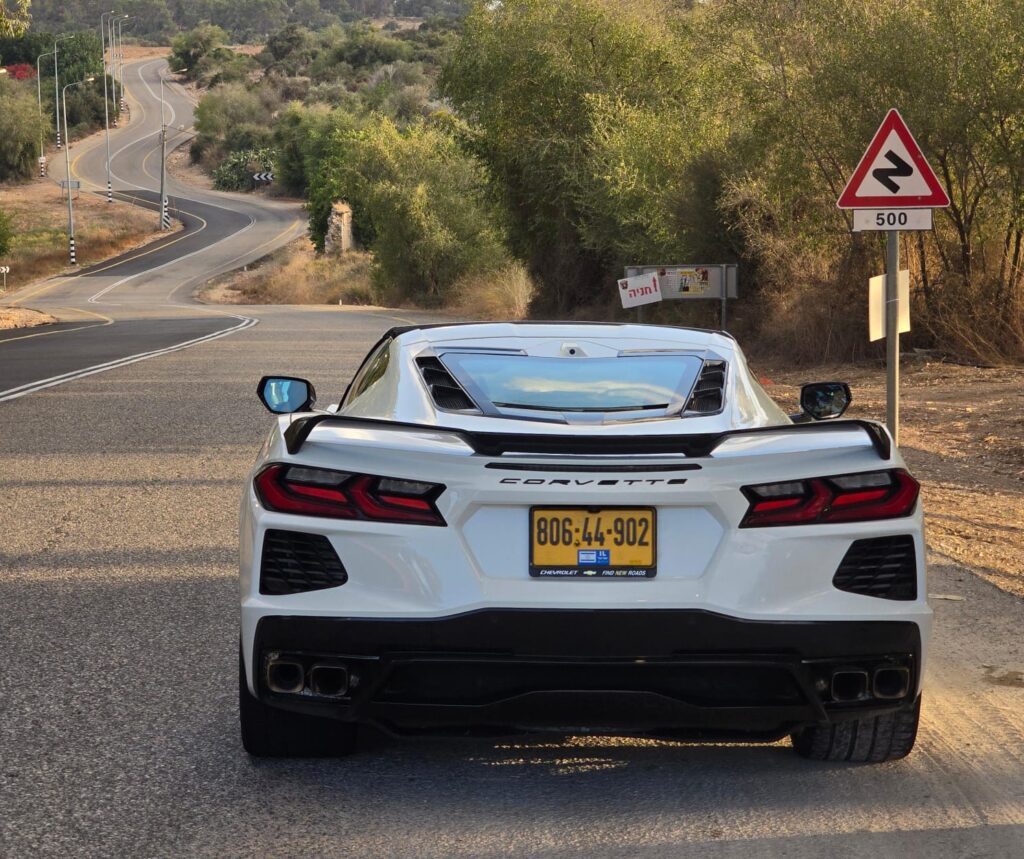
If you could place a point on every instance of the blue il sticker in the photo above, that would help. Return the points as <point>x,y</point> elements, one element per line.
<point>601,557</point>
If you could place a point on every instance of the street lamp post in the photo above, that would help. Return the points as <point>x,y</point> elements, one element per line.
<point>111,43</point>
<point>56,84</point>
<point>67,161</point>
<point>119,65</point>
<point>39,96</point>
<point>106,110</point>
<point>165,217</point>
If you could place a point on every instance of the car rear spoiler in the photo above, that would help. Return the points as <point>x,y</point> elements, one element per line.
<point>496,444</point>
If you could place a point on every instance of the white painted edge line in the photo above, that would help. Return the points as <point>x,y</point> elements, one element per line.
<point>53,381</point>
<point>252,222</point>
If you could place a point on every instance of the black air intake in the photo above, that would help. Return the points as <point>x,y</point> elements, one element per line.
<point>708,395</point>
<point>444,390</point>
<point>294,562</point>
<point>883,567</point>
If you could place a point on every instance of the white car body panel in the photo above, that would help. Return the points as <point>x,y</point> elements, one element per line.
<point>479,561</point>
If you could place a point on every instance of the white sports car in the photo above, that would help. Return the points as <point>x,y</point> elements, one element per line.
<point>578,528</point>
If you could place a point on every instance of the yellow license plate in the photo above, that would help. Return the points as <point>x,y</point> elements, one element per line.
<point>598,543</point>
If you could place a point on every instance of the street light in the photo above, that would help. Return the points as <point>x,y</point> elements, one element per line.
<point>120,54</point>
<point>56,83</point>
<point>39,96</point>
<point>106,110</point>
<point>110,41</point>
<point>67,161</point>
<point>165,218</point>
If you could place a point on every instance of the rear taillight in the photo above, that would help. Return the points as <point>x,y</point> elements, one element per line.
<point>344,495</point>
<point>845,498</point>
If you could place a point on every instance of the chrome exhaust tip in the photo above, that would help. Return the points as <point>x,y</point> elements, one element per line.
<point>890,683</point>
<point>330,681</point>
<point>285,676</point>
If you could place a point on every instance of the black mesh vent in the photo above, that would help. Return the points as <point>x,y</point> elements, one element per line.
<point>883,567</point>
<point>443,388</point>
<point>294,562</point>
<point>708,395</point>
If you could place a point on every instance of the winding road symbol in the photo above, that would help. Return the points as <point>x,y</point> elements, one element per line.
<point>885,175</point>
<point>893,155</point>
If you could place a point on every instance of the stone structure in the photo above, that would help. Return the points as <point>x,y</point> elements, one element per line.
<point>339,230</point>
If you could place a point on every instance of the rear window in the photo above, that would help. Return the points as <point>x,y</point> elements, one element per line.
<point>625,383</point>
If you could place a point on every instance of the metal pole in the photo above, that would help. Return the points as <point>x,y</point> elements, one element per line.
<point>113,83</point>
<point>119,67</point>
<point>39,96</point>
<point>106,117</point>
<point>725,291</point>
<point>163,161</point>
<point>892,336</point>
<point>56,85</point>
<point>56,91</point>
<point>67,161</point>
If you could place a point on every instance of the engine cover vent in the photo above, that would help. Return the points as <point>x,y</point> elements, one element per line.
<point>884,567</point>
<point>295,562</point>
<point>444,390</point>
<point>708,397</point>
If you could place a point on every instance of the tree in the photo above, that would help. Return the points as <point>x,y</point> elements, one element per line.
<point>6,234</point>
<point>20,129</point>
<point>537,79</point>
<point>14,17</point>
<point>419,203</point>
<point>188,49</point>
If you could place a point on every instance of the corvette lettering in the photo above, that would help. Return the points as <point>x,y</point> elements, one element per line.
<point>541,481</point>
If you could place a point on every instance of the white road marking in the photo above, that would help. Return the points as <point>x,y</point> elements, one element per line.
<point>245,229</point>
<point>53,381</point>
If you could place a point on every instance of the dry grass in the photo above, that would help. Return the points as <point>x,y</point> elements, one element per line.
<point>145,52</point>
<point>503,294</point>
<point>39,215</point>
<point>296,275</point>
<point>22,317</point>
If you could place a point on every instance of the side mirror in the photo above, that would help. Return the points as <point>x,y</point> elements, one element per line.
<point>283,395</point>
<point>823,401</point>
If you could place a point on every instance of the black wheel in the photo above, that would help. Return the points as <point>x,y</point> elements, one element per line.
<point>268,732</point>
<point>882,738</point>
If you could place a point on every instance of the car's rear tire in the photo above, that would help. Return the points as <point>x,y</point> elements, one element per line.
<point>888,737</point>
<point>268,732</point>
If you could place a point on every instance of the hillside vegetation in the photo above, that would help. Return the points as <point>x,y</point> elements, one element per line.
<point>560,140</point>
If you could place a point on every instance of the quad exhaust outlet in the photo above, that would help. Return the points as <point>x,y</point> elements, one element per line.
<point>288,675</point>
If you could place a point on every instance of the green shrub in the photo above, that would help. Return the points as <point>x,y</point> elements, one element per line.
<point>6,234</point>
<point>20,129</point>
<point>419,203</point>
<point>236,171</point>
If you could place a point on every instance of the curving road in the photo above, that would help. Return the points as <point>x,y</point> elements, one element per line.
<point>138,305</point>
<point>119,631</point>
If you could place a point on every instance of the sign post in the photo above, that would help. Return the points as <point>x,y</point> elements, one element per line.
<point>4,269</point>
<point>891,189</point>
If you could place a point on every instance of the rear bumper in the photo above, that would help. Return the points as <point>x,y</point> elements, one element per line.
<point>685,673</point>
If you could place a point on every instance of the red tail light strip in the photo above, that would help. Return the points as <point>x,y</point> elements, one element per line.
<point>355,496</point>
<point>823,500</point>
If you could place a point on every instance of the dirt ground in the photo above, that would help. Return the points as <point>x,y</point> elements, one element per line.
<point>141,52</point>
<point>180,166</point>
<point>22,317</point>
<point>962,434</point>
<point>39,214</point>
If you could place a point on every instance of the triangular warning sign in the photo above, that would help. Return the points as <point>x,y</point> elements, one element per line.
<point>893,174</point>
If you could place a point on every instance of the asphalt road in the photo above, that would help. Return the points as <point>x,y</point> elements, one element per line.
<point>140,303</point>
<point>118,717</point>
